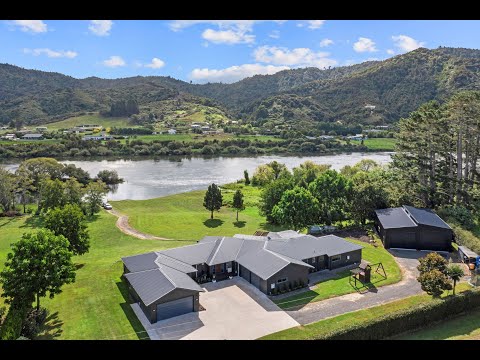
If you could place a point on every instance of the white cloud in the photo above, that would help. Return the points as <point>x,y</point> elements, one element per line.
<point>364,45</point>
<point>33,26</point>
<point>312,24</point>
<point>390,51</point>
<point>228,37</point>
<point>275,34</point>
<point>177,25</point>
<point>156,63</point>
<point>315,24</point>
<point>51,53</point>
<point>114,61</point>
<point>299,57</point>
<point>326,42</point>
<point>406,43</point>
<point>234,73</point>
<point>100,27</point>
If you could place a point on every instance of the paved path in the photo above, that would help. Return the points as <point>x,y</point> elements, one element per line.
<point>124,226</point>
<point>408,286</point>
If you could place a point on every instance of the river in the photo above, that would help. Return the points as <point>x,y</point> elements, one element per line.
<point>147,179</point>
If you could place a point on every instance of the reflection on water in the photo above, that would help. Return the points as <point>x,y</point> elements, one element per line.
<point>146,179</point>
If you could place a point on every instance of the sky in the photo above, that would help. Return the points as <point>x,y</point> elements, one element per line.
<point>217,50</point>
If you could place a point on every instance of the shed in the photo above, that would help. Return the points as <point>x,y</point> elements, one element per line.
<point>408,227</point>
<point>33,137</point>
<point>466,255</point>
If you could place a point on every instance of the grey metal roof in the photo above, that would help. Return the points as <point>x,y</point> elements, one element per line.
<point>163,259</point>
<point>286,234</point>
<point>394,218</point>
<point>33,135</point>
<point>151,285</point>
<point>307,246</point>
<point>250,237</point>
<point>191,254</point>
<point>426,217</point>
<point>225,250</point>
<point>210,239</point>
<point>265,263</point>
<point>141,262</point>
<point>468,252</point>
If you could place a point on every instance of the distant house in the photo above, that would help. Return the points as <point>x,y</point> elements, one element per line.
<point>41,129</point>
<point>98,137</point>
<point>413,228</point>
<point>10,137</point>
<point>326,137</point>
<point>172,131</point>
<point>195,126</point>
<point>356,137</point>
<point>89,126</point>
<point>32,137</point>
<point>370,107</point>
<point>205,128</point>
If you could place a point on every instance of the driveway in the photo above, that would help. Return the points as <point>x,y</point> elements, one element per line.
<point>234,310</point>
<point>408,286</point>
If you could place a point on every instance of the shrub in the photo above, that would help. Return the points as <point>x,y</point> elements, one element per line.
<point>408,319</point>
<point>12,325</point>
<point>34,322</point>
<point>466,238</point>
<point>459,215</point>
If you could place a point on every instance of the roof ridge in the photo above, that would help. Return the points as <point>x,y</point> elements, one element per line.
<point>410,215</point>
<point>170,257</point>
<point>168,277</point>
<point>239,249</point>
<point>215,249</point>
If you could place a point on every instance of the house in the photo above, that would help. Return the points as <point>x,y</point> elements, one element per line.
<point>77,130</point>
<point>413,228</point>
<point>370,107</point>
<point>10,137</point>
<point>165,283</point>
<point>205,128</point>
<point>172,131</point>
<point>41,129</point>
<point>357,137</point>
<point>326,137</point>
<point>32,137</point>
<point>195,126</point>
<point>98,137</point>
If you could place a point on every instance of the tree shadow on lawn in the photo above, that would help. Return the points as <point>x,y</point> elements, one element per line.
<point>130,314</point>
<point>34,222</point>
<point>239,224</point>
<point>213,223</point>
<point>52,328</point>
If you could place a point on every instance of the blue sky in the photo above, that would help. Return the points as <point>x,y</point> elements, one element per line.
<point>217,50</point>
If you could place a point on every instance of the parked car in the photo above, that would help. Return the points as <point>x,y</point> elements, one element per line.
<point>107,206</point>
<point>317,229</point>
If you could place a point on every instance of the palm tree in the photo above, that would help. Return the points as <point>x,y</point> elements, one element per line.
<point>455,272</point>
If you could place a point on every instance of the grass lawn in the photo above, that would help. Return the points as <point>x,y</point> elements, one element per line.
<point>353,318</point>
<point>464,327</point>
<point>94,307</point>
<point>341,286</point>
<point>90,119</point>
<point>182,216</point>
<point>386,144</point>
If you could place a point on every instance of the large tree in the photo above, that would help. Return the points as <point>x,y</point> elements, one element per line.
<point>308,171</point>
<point>39,264</point>
<point>24,188</point>
<point>333,192</point>
<point>238,203</point>
<point>70,222</point>
<point>94,194</point>
<point>40,168</point>
<point>51,194</point>
<point>271,196</point>
<point>297,208</point>
<point>7,189</point>
<point>73,192</point>
<point>109,177</point>
<point>213,199</point>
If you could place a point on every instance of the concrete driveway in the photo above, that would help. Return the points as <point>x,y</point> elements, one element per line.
<point>234,310</point>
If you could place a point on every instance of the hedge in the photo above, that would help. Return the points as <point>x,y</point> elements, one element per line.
<point>12,325</point>
<point>407,320</point>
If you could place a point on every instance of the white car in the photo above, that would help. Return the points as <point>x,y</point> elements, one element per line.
<point>107,206</point>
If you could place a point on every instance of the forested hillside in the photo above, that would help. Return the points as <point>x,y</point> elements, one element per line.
<point>307,96</point>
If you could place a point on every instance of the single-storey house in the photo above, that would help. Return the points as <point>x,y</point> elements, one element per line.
<point>32,137</point>
<point>172,131</point>
<point>165,283</point>
<point>97,137</point>
<point>413,228</point>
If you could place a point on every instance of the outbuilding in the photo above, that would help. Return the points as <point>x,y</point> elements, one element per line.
<point>408,227</point>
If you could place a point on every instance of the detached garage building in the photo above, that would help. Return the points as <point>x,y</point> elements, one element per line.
<point>413,228</point>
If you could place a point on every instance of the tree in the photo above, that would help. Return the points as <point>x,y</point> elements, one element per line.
<point>81,175</point>
<point>213,199</point>
<point>7,189</point>
<point>271,196</point>
<point>51,195</point>
<point>94,194</point>
<point>297,208</point>
<point>333,192</point>
<point>24,188</point>
<point>308,171</point>
<point>73,191</point>
<point>109,177</point>
<point>247,178</point>
<point>277,168</point>
<point>70,222</point>
<point>238,201</point>
<point>39,263</point>
<point>40,168</point>
<point>432,261</point>
<point>455,272</point>
<point>434,282</point>
<point>263,175</point>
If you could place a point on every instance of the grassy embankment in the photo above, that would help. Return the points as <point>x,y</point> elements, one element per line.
<point>380,144</point>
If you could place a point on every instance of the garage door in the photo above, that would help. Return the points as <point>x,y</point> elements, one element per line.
<point>245,273</point>
<point>406,240</point>
<point>174,308</point>
<point>255,280</point>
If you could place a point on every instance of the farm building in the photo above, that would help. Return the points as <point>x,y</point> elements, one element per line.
<point>413,228</point>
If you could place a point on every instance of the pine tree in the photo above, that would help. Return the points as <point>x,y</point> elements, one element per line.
<point>238,201</point>
<point>213,199</point>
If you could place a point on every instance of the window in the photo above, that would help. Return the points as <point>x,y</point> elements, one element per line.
<point>282,280</point>
<point>336,258</point>
<point>348,257</point>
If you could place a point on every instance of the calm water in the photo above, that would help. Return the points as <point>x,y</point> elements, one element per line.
<point>146,179</point>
